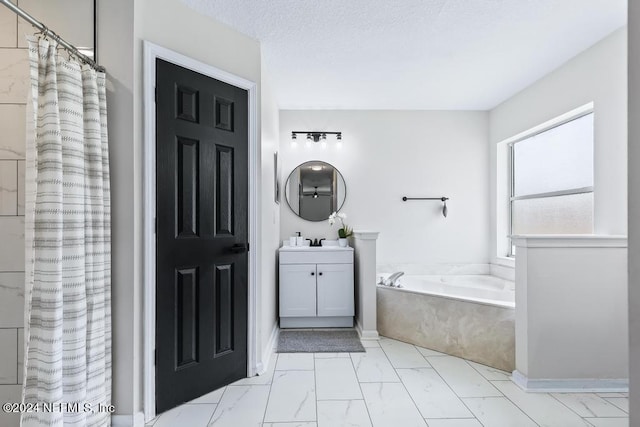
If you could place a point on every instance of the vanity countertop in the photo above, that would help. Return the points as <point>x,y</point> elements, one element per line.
<point>330,248</point>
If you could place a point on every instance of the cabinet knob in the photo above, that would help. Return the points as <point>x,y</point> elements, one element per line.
<point>313,273</point>
<point>320,274</point>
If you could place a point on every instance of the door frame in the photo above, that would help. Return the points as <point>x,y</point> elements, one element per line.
<point>151,52</point>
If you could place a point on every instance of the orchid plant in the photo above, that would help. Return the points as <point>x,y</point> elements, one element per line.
<point>345,231</point>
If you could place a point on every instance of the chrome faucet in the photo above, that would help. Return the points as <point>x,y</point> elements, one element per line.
<point>392,280</point>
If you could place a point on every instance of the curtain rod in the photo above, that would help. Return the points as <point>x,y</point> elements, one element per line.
<point>49,33</point>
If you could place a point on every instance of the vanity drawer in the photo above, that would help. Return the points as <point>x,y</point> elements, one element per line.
<point>317,257</point>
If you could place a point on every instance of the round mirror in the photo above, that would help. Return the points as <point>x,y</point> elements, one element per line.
<point>314,190</point>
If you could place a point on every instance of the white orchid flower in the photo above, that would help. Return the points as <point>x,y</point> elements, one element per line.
<point>344,230</point>
<point>332,218</point>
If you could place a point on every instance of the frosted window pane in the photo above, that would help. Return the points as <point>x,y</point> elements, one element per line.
<point>558,159</point>
<point>572,214</point>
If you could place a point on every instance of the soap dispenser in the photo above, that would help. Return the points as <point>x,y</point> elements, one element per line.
<point>299,240</point>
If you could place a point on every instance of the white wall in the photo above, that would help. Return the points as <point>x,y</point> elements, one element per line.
<point>571,311</point>
<point>597,75</point>
<point>171,24</point>
<point>115,38</point>
<point>270,213</point>
<point>634,211</point>
<point>390,154</point>
<point>122,28</point>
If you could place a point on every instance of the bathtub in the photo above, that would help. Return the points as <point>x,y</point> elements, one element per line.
<point>469,316</point>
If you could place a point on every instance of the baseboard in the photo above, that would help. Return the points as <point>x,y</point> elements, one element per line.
<point>269,350</point>
<point>366,335</point>
<point>316,322</point>
<point>135,420</point>
<point>570,385</point>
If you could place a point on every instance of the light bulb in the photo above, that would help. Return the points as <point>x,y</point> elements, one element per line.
<point>323,144</point>
<point>339,144</point>
<point>294,143</point>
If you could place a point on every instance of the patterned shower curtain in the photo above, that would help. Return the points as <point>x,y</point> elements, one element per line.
<point>68,244</point>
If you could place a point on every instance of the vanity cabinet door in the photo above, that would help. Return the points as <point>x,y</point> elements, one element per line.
<point>297,290</point>
<point>335,290</point>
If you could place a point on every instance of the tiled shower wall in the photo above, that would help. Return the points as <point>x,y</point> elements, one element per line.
<point>13,98</point>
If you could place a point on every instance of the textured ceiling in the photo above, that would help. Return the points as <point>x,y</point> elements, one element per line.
<point>413,54</point>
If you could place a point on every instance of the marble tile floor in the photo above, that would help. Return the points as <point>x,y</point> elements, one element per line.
<point>393,384</point>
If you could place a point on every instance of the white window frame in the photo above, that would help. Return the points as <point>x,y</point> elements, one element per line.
<point>510,142</point>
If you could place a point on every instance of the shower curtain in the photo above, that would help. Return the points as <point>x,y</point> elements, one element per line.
<point>67,233</point>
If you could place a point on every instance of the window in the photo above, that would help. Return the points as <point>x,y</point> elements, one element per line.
<point>552,180</point>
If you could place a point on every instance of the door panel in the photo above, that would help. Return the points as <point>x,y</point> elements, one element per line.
<point>187,103</point>
<point>202,205</point>
<point>186,316</point>
<point>187,185</point>
<point>335,290</point>
<point>297,290</point>
<point>224,191</point>
<point>224,309</point>
<point>224,113</point>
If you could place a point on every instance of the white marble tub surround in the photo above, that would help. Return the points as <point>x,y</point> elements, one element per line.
<point>448,269</point>
<point>480,288</point>
<point>470,316</point>
<point>505,269</point>
<point>572,290</point>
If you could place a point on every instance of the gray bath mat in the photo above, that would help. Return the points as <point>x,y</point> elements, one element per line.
<point>319,342</point>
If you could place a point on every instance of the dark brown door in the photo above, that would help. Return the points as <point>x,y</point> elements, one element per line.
<point>202,204</point>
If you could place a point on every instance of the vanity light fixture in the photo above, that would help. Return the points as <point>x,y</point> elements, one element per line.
<point>315,193</point>
<point>313,137</point>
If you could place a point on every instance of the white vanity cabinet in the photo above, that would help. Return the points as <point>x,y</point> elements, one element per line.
<point>316,287</point>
